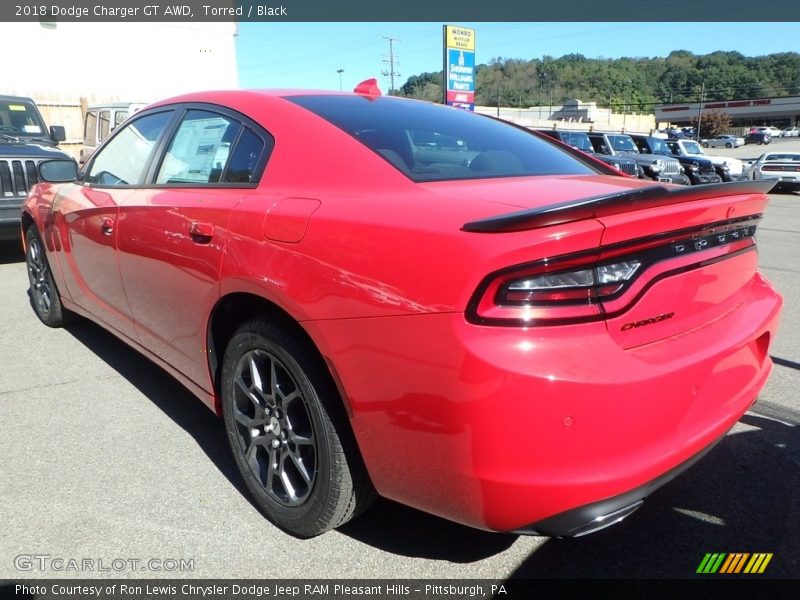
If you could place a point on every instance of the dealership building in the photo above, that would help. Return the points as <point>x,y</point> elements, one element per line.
<point>780,112</point>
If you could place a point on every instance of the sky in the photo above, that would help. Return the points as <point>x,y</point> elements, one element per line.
<point>308,55</point>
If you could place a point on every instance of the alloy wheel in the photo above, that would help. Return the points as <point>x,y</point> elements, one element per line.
<point>274,428</point>
<point>39,276</point>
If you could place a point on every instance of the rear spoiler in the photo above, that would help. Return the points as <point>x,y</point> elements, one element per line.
<point>611,204</point>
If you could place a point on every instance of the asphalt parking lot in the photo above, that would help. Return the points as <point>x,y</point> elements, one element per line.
<point>104,456</point>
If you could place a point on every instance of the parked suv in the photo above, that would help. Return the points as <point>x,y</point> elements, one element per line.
<point>698,170</point>
<point>101,120</point>
<point>728,168</point>
<point>657,168</point>
<point>25,141</point>
<point>580,141</point>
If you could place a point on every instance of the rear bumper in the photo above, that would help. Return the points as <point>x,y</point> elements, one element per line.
<point>791,186</point>
<point>599,515</point>
<point>500,428</point>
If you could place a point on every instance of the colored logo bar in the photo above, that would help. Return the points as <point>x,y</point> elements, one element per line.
<point>734,563</point>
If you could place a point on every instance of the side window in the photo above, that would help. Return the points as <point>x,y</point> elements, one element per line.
<point>105,124</point>
<point>119,117</point>
<point>199,151</point>
<point>90,129</point>
<point>124,160</point>
<point>244,160</point>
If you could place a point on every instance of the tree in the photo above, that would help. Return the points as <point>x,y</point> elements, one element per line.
<point>419,86</point>
<point>712,122</point>
<point>628,83</point>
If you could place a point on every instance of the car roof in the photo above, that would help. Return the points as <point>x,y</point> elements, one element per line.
<point>252,101</point>
<point>115,105</point>
<point>4,98</point>
<point>233,95</point>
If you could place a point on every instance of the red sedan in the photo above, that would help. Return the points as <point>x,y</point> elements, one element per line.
<point>385,295</point>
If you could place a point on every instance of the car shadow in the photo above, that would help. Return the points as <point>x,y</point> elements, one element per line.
<point>404,531</point>
<point>163,390</point>
<point>782,362</point>
<point>11,252</point>
<point>741,497</point>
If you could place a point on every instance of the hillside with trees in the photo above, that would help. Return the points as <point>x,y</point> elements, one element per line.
<point>637,83</point>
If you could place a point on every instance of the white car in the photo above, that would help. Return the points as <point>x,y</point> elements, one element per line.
<point>791,132</point>
<point>772,131</point>
<point>723,141</point>
<point>782,167</point>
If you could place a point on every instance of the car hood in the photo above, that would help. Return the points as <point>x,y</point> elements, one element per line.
<point>646,158</point>
<point>610,159</point>
<point>699,159</point>
<point>734,163</point>
<point>29,149</point>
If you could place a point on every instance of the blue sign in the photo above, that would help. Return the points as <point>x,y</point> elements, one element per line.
<point>460,70</point>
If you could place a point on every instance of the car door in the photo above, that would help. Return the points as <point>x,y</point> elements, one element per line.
<point>172,234</point>
<point>85,218</point>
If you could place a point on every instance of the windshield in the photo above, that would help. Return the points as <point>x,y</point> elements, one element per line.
<point>19,118</point>
<point>659,146</point>
<point>429,142</point>
<point>692,148</point>
<point>623,143</point>
<point>577,139</point>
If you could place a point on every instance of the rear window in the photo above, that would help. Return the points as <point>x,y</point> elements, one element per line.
<point>429,142</point>
<point>783,157</point>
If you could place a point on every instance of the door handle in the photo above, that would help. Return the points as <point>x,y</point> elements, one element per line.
<point>107,226</point>
<point>201,232</point>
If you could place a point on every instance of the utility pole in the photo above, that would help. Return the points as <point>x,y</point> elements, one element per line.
<point>391,74</point>
<point>340,71</point>
<point>545,78</point>
<point>700,109</point>
<point>626,107</point>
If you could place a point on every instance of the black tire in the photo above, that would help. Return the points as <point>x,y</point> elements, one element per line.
<point>289,432</point>
<point>45,298</point>
<point>728,145</point>
<point>705,144</point>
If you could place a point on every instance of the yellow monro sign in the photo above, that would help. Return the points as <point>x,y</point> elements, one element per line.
<point>460,37</point>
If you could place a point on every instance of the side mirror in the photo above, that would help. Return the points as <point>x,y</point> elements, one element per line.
<point>58,133</point>
<point>58,170</point>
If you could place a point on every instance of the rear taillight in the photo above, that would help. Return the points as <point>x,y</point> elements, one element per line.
<point>780,168</point>
<point>572,288</point>
<point>584,285</point>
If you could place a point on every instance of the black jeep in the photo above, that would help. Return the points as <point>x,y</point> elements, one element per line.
<point>25,141</point>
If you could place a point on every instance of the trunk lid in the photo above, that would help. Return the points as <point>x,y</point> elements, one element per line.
<point>693,248</point>
<point>703,270</point>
